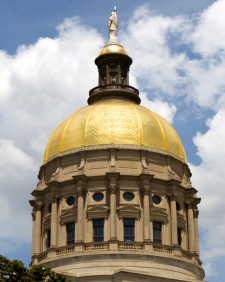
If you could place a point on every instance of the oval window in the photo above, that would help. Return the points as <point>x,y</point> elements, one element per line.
<point>71,201</point>
<point>128,196</point>
<point>98,197</point>
<point>156,200</point>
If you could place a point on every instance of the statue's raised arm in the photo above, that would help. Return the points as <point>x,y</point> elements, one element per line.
<point>113,25</point>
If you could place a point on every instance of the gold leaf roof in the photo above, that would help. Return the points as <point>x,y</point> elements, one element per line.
<point>113,48</point>
<point>114,122</point>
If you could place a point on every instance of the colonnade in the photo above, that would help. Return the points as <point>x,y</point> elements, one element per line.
<point>192,216</point>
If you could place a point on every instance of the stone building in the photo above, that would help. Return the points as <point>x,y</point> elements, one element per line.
<point>114,201</point>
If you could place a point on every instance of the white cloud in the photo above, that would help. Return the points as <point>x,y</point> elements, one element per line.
<point>164,109</point>
<point>208,178</point>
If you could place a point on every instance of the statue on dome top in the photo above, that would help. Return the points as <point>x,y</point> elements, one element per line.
<point>113,25</point>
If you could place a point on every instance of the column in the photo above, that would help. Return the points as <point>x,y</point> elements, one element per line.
<point>33,232</point>
<point>196,212</point>
<point>38,207</point>
<point>173,206</point>
<point>146,212</point>
<point>80,212</point>
<point>107,75</point>
<point>113,230</point>
<point>119,74</point>
<point>54,215</point>
<point>191,239</point>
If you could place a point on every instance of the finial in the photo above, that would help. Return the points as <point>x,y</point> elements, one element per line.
<point>115,10</point>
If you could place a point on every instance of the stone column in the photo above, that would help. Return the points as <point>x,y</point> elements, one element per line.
<point>107,75</point>
<point>113,230</point>
<point>38,207</point>
<point>119,74</point>
<point>80,212</point>
<point>191,239</point>
<point>146,212</point>
<point>196,212</point>
<point>54,217</point>
<point>33,232</point>
<point>174,236</point>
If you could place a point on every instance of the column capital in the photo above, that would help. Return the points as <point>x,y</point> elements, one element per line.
<point>33,214</point>
<point>80,191</point>
<point>189,204</point>
<point>173,196</point>
<point>113,188</point>
<point>38,206</point>
<point>146,189</point>
<point>53,198</point>
<point>195,213</point>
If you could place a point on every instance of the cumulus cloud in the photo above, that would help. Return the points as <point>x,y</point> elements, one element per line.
<point>166,110</point>
<point>46,81</point>
<point>208,178</point>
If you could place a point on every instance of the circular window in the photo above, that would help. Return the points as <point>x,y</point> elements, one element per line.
<point>156,200</point>
<point>128,196</point>
<point>98,197</point>
<point>71,201</point>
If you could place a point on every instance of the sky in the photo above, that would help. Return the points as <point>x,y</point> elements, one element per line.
<point>47,52</point>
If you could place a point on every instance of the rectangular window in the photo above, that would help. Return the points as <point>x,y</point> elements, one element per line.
<point>48,238</point>
<point>123,80</point>
<point>179,236</point>
<point>128,230</point>
<point>70,229</point>
<point>157,230</point>
<point>98,226</point>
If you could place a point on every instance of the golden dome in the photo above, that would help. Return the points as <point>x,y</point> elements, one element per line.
<point>114,48</point>
<point>114,122</point>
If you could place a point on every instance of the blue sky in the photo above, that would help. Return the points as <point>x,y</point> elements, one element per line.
<point>178,51</point>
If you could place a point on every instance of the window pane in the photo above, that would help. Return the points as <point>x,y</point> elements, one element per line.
<point>95,231</point>
<point>126,221</point>
<point>157,234</point>
<point>100,231</point>
<point>126,232</point>
<point>131,221</point>
<point>131,231</point>
<point>156,224</point>
<point>101,221</point>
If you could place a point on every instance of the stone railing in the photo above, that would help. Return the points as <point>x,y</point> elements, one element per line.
<point>186,254</point>
<point>96,246</point>
<point>162,248</point>
<point>130,246</point>
<point>42,256</point>
<point>65,250</point>
<point>113,86</point>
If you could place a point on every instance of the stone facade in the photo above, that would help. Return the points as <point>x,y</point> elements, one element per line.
<point>114,170</point>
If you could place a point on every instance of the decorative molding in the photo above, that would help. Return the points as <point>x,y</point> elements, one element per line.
<point>68,215</point>
<point>82,160</point>
<point>190,204</point>
<point>173,196</point>
<point>146,189</point>
<point>55,175</point>
<point>38,206</point>
<point>129,211</point>
<point>181,222</point>
<point>33,214</point>
<point>158,214</point>
<point>53,198</point>
<point>80,191</point>
<point>195,213</point>
<point>113,159</point>
<point>97,212</point>
<point>46,222</point>
<point>113,188</point>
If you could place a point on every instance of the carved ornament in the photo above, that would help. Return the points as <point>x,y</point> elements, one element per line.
<point>190,204</point>
<point>195,213</point>
<point>53,198</point>
<point>113,188</point>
